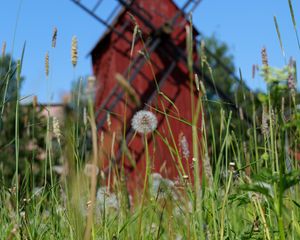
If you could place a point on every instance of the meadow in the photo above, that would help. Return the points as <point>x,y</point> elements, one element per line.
<point>51,187</point>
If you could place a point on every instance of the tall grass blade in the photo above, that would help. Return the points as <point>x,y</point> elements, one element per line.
<point>294,21</point>
<point>279,36</point>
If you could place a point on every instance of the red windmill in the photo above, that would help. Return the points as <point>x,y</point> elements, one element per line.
<point>156,74</point>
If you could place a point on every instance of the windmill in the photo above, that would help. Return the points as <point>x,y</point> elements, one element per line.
<point>155,69</point>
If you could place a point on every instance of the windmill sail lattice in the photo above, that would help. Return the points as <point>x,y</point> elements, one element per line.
<point>159,63</point>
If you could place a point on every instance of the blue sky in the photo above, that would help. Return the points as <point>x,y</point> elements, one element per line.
<point>246,26</point>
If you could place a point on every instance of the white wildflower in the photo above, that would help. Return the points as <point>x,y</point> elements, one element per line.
<point>144,122</point>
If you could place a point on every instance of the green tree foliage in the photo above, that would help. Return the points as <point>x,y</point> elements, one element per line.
<point>32,125</point>
<point>217,63</point>
<point>8,79</point>
<point>252,111</point>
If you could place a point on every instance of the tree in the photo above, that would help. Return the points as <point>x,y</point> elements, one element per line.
<point>32,129</point>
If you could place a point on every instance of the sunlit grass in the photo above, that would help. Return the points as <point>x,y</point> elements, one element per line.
<point>248,187</point>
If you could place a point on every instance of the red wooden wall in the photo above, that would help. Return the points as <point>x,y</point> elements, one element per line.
<point>112,55</point>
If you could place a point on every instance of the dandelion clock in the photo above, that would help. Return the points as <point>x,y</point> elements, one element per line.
<point>144,122</point>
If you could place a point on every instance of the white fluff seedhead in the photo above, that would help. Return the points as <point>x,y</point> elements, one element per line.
<point>144,122</point>
<point>90,168</point>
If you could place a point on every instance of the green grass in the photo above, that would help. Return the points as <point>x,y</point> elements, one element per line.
<point>249,187</point>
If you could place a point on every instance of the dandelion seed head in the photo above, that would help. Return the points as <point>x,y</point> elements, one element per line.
<point>89,169</point>
<point>162,187</point>
<point>106,200</point>
<point>144,122</point>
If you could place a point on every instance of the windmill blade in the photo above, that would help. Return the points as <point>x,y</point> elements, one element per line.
<point>154,42</point>
<point>129,130</point>
<point>139,61</point>
<point>105,22</point>
<point>165,49</point>
<point>189,6</point>
<point>183,57</point>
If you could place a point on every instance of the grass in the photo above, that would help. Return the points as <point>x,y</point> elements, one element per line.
<point>248,189</point>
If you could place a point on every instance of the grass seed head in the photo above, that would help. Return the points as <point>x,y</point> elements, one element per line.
<point>74,51</point>
<point>184,146</point>
<point>264,122</point>
<point>291,76</point>
<point>54,36</point>
<point>264,56</point>
<point>47,64</point>
<point>265,61</point>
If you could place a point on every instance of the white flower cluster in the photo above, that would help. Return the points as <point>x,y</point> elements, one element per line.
<point>144,122</point>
